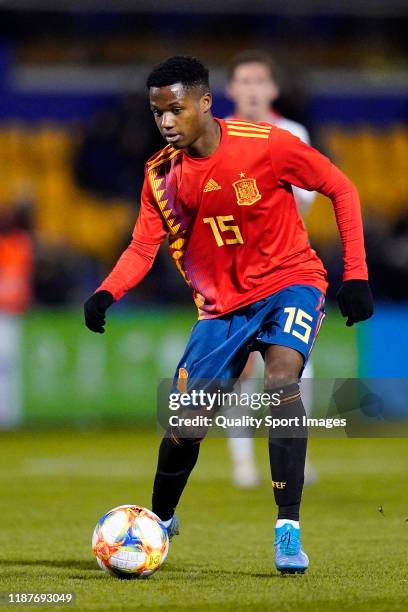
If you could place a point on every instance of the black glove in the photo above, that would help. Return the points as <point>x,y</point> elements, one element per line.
<point>94,310</point>
<point>356,301</point>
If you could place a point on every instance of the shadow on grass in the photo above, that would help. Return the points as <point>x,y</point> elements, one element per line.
<point>199,571</point>
<point>71,564</point>
<point>168,572</point>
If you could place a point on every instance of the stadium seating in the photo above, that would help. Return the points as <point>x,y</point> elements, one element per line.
<point>374,160</point>
<point>35,165</point>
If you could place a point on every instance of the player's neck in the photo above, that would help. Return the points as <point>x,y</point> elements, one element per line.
<point>208,142</point>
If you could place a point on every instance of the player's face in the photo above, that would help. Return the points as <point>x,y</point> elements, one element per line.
<point>180,113</point>
<point>252,89</point>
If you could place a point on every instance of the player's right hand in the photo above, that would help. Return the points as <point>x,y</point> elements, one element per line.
<point>95,309</point>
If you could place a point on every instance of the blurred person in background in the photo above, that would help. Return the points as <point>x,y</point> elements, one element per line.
<point>253,88</point>
<point>16,268</point>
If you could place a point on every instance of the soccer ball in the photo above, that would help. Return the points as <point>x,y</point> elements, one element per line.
<point>130,542</point>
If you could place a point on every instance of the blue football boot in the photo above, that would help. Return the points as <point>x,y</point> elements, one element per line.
<point>174,528</point>
<point>290,558</point>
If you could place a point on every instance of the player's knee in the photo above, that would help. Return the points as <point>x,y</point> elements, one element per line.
<point>280,376</point>
<point>282,367</point>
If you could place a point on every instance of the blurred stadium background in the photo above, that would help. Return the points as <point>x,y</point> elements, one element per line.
<point>75,130</point>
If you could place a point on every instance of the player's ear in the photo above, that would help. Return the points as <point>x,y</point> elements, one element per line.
<point>206,102</point>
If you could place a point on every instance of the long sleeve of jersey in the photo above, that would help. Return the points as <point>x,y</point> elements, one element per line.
<point>138,258</point>
<point>296,163</point>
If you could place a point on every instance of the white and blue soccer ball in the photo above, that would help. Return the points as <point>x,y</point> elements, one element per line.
<point>130,542</point>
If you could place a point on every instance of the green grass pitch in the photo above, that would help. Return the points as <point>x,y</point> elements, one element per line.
<point>56,485</point>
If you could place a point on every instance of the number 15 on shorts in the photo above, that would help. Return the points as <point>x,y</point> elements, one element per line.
<point>297,321</point>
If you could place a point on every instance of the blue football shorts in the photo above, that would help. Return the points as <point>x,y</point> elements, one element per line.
<point>218,348</point>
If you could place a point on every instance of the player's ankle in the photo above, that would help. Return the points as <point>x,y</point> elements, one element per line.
<point>281,522</point>
<point>167,523</point>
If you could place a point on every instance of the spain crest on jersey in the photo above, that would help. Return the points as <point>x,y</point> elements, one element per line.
<point>247,191</point>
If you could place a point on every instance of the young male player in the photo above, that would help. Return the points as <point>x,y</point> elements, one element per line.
<point>221,192</point>
<point>253,88</point>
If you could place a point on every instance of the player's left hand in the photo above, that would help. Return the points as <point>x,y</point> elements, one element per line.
<point>356,301</point>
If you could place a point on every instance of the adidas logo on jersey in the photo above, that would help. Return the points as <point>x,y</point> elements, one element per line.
<point>212,186</point>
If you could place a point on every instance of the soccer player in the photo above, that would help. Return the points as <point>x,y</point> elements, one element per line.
<point>221,192</point>
<point>253,87</point>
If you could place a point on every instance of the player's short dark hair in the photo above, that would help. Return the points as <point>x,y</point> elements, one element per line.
<point>188,71</point>
<point>252,56</point>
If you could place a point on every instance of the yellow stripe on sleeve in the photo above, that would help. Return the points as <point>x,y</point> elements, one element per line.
<point>248,126</point>
<point>247,134</point>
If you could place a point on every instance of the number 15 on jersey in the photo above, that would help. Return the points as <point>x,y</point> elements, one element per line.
<point>219,226</point>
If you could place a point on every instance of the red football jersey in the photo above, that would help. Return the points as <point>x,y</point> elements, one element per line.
<point>231,219</point>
